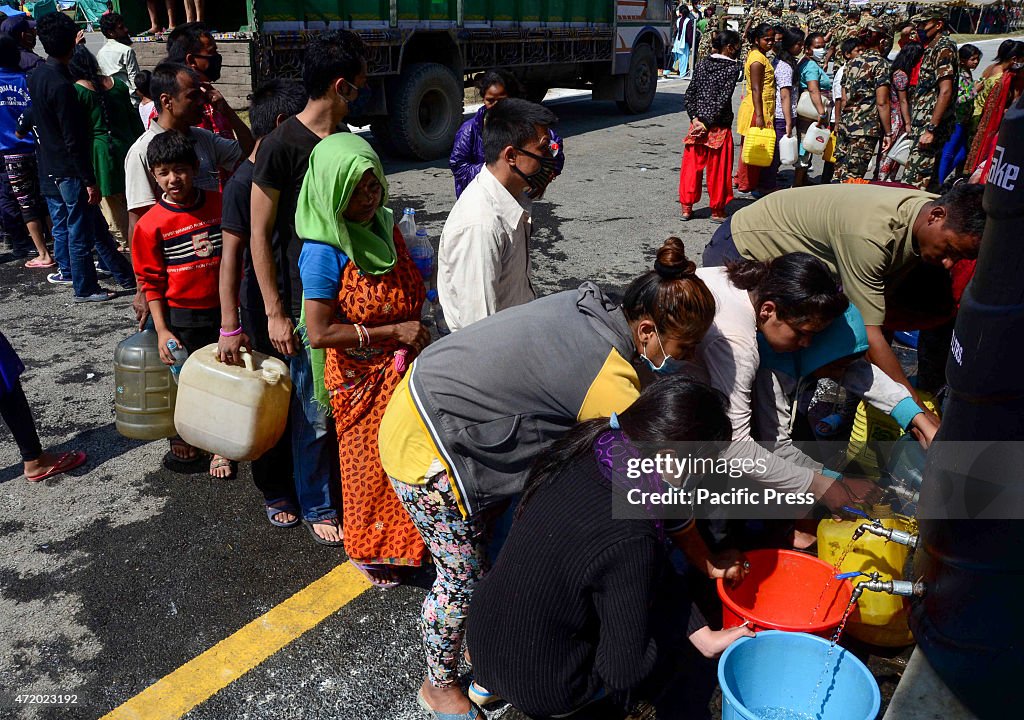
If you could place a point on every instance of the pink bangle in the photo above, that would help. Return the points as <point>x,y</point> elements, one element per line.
<point>233,333</point>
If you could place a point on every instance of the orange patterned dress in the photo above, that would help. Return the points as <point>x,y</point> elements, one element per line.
<point>377,527</point>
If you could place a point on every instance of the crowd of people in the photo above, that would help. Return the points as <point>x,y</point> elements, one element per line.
<point>276,236</point>
<point>913,112</point>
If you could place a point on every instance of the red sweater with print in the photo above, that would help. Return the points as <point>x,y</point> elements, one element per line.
<point>176,252</point>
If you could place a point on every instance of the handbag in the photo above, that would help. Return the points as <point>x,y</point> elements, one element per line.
<point>759,146</point>
<point>900,150</point>
<point>805,107</point>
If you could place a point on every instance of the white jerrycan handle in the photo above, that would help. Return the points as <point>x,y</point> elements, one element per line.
<point>246,359</point>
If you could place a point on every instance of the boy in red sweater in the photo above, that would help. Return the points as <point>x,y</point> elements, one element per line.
<point>176,251</point>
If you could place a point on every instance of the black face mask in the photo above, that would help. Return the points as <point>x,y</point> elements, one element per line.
<point>539,180</point>
<point>214,63</point>
<point>357,107</point>
<point>922,34</point>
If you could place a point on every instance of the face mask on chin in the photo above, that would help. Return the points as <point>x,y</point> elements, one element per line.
<point>669,365</point>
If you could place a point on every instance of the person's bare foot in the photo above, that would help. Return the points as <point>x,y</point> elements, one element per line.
<point>328,531</point>
<point>182,450</point>
<point>221,468</point>
<point>449,699</point>
<point>50,463</point>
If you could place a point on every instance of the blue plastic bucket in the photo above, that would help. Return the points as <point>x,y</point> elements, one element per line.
<point>779,671</point>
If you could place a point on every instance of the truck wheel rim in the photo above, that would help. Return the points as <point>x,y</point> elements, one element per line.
<point>433,113</point>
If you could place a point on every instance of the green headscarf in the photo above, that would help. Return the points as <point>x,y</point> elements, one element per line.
<point>336,166</point>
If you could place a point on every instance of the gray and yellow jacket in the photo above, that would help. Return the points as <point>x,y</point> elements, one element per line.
<point>483,402</point>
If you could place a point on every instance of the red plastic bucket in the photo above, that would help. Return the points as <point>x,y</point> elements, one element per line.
<point>781,593</point>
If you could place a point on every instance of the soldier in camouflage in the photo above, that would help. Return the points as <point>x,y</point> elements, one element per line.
<point>865,118</point>
<point>819,21</point>
<point>932,105</point>
<point>849,29</point>
<point>792,18</point>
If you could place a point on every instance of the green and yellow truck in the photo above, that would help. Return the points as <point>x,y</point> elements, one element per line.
<point>422,52</point>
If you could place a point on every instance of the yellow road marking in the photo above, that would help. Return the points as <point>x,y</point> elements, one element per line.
<point>202,677</point>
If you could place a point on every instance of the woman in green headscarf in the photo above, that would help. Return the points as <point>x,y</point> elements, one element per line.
<point>361,314</point>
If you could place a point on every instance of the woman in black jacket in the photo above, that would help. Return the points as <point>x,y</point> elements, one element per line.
<point>583,604</point>
<point>708,144</point>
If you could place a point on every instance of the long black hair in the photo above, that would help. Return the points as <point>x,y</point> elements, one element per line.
<point>674,408</point>
<point>801,286</point>
<point>790,37</point>
<point>907,58</point>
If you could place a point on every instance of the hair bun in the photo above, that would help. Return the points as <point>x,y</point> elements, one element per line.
<point>672,263</point>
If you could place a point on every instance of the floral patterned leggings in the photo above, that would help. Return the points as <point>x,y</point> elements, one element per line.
<point>459,548</point>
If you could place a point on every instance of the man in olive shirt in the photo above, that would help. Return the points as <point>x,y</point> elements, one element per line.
<point>870,236</point>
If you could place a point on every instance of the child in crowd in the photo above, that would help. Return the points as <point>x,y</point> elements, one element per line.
<point>851,48</point>
<point>147,108</point>
<point>176,251</point>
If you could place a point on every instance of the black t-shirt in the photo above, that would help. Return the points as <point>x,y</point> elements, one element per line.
<point>236,218</point>
<point>281,164</point>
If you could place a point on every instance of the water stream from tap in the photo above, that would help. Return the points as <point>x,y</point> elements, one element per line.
<point>829,665</point>
<point>836,569</point>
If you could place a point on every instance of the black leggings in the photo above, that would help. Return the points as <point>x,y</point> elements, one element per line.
<point>16,413</point>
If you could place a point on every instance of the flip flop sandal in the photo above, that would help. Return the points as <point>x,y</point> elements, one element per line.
<point>480,696</point>
<point>474,712</point>
<point>180,465</point>
<point>67,461</point>
<point>365,571</point>
<point>217,462</point>
<point>35,264</point>
<point>282,505</point>
<point>333,522</point>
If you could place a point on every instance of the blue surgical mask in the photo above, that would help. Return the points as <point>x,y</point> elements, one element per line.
<point>669,366</point>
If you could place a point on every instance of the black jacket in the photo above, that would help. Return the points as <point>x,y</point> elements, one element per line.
<point>63,131</point>
<point>709,96</point>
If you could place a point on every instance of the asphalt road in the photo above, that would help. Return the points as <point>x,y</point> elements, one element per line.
<point>114,575</point>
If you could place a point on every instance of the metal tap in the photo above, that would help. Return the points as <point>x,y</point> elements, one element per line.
<point>874,583</point>
<point>875,527</point>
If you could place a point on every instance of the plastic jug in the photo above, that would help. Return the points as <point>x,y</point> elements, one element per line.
<point>144,391</point>
<point>759,146</point>
<point>815,139</point>
<point>236,412</point>
<point>879,618</point>
<point>872,433</point>
<point>829,155</point>
<point>788,150</point>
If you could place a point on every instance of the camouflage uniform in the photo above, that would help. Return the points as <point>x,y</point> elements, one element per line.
<point>861,127</point>
<point>939,61</point>
<point>704,47</point>
<point>792,19</point>
<point>818,21</point>
<point>838,36</point>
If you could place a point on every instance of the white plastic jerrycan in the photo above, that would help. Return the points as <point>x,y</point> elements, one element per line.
<point>235,412</point>
<point>788,153</point>
<point>815,139</point>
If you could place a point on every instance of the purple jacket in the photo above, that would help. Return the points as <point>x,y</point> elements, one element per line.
<point>468,152</point>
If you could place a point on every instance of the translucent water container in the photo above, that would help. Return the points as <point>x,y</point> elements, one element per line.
<point>144,391</point>
<point>815,139</point>
<point>879,618</point>
<point>238,412</point>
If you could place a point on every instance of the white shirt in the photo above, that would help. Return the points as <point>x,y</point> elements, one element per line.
<point>483,263</point>
<point>215,154</point>
<point>118,60</point>
<point>730,355</point>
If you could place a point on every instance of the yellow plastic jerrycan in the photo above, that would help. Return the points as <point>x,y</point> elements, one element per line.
<point>233,411</point>
<point>870,427</point>
<point>759,146</point>
<point>879,618</point>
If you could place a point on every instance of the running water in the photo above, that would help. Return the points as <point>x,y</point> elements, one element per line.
<point>831,578</point>
<point>829,665</point>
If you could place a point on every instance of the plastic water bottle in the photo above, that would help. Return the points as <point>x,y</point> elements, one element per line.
<point>180,355</point>
<point>407,225</point>
<point>422,253</point>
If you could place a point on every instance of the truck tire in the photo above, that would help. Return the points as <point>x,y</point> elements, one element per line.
<point>536,92</point>
<point>382,135</point>
<point>425,112</point>
<point>641,81</point>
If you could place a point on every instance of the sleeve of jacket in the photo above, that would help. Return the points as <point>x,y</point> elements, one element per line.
<point>76,131</point>
<point>623,579</point>
<point>879,390</point>
<point>464,165</point>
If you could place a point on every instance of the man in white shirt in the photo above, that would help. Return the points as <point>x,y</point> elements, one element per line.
<point>117,58</point>
<point>484,258</point>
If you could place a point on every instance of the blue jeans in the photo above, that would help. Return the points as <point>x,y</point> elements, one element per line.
<point>314,444</point>
<point>954,152</point>
<point>78,229</point>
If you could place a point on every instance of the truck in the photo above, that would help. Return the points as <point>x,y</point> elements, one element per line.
<point>422,54</point>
